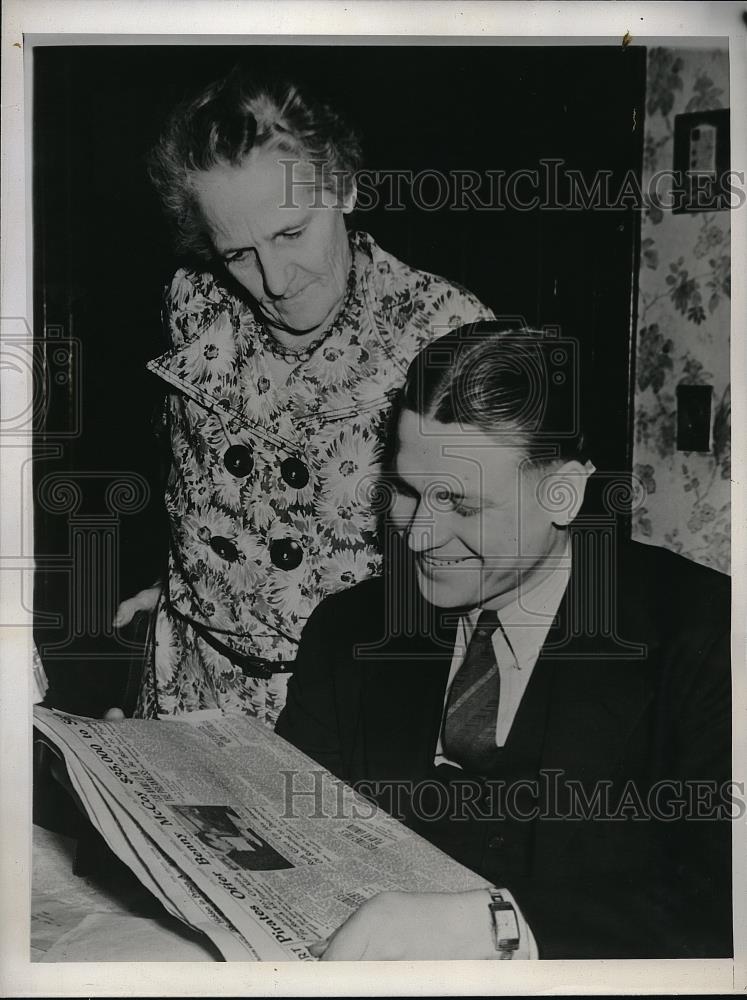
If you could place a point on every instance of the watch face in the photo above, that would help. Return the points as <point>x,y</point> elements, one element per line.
<point>505,924</point>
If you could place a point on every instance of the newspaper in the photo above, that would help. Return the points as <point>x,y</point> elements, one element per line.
<point>237,833</point>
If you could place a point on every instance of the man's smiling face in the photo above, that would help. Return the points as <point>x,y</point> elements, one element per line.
<point>471,508</point>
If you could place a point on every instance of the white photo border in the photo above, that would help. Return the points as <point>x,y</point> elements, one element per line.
<point>39,22</point>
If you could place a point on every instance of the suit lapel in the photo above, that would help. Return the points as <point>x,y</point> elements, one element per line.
<point>602,684</point>
<point>403,693</point>
<point>588,696</point>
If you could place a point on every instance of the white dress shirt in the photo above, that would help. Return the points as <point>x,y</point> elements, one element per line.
<point>526,621</point>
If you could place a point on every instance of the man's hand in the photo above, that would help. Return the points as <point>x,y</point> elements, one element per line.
<point>144,600</point>
<point>413,925</point>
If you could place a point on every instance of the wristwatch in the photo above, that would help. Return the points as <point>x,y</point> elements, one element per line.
<point>504,923</point>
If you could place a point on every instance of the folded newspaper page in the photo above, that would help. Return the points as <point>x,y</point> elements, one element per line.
<point>238,833</point>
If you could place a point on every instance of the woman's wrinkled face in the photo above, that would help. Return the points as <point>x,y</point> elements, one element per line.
<point>280,236</point>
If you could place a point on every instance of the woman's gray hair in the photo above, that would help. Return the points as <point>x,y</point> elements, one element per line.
<point>223,124</point>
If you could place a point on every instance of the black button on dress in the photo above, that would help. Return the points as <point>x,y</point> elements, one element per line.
<point>286,553</point>
<point>239,460</point>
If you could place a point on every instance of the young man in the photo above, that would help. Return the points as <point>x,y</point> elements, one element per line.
<point>550,704</point>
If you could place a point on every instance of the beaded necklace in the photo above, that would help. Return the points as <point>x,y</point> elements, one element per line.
<point>273,345</point>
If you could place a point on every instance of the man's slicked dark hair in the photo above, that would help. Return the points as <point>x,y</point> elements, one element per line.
<point>513,385</point>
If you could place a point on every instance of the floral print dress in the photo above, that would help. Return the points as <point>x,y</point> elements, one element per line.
<point>271,495</point>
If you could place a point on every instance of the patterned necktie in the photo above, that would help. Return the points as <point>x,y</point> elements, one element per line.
<point>472,705</point>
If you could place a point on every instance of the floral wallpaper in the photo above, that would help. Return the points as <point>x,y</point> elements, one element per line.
<point>683,328</point>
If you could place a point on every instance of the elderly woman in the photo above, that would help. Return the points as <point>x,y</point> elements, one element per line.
<point>285,350</point>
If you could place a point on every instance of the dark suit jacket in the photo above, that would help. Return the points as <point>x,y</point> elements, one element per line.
<point>632,688</point>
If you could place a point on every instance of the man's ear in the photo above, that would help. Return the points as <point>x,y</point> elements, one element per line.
<point>561,491</point>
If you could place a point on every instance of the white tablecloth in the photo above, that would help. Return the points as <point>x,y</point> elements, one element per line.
<point>76,920</point>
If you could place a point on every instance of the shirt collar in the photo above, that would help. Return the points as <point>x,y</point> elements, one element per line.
<point>527,618</point>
